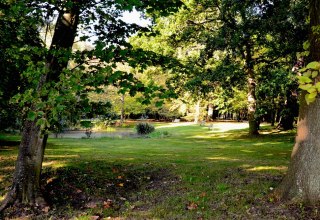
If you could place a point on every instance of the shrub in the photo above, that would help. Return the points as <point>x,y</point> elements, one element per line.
<point>144,128</point>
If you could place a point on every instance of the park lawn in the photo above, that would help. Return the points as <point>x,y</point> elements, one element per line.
<point>178,172</point>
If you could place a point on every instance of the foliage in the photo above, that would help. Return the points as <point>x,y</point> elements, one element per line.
<point>144,128</point>
<point>70,84</point>
<point>224,43</point>
<point>15,34</point>
<point>308,81</point>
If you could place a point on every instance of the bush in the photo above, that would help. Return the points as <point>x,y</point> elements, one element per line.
<point>144,128</point>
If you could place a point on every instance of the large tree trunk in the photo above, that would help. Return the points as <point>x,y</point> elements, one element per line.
<point>26,188</point>
<point>26,181</point>
<point>303,178</point>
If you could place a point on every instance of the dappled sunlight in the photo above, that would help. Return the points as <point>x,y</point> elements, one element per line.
<point>222,158</point>
<point>177,124</point>
<point>128,159</point>
<point>63,156</point>
<point>7,168</point>
<point>55,164</point>
<point>263,168</point>
<point>227,126</point>
<point>221,130</point>
<point>248,151</point>
<point>269,155</point>
<point>8,158</point>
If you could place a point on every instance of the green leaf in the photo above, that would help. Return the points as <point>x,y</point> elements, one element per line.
<point>310,97</point>
<point>307,74</point>
<point>303,70</point>
<point>304,79</point>
<point>306,45</point>
<point>305,86</point>
<point>32,115</point>
<point>314,65</point>
<point>159,103</point>
<point>318,86</point>
<point>40,113</point>
<point>312,90</point>
<point>314,74</point>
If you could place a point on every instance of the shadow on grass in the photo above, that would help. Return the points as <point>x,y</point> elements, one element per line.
<point>97,188</point>
<point>6,145</point>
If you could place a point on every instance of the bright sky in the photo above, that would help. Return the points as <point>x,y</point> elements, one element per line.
<point>135,17</point>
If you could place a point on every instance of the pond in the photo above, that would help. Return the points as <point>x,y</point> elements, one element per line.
<point>121,132</point>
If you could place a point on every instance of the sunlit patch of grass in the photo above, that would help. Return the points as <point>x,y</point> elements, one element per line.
<point>261,168</point>
<point>222,158</point>
<point>7,168</point>
<point>63,156</point>
<point>55,164</point>
<point>173,125</point>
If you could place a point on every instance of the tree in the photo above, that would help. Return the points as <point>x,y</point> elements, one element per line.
<point>53,85</point>
<point>213,37</point>
<point>302,179</point>
<point>245,26</point>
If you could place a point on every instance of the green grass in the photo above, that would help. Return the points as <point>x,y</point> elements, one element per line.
<point>178,172</point>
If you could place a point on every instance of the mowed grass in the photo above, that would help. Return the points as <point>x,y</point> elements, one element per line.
<point>182,171</point>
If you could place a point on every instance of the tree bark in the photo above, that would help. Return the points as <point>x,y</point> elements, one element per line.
<point>252,101</point>
<point>210,112</point>
<point>303,178</point>
<point>197,112</point>
<point>26,181</point>
<point>122,116</point>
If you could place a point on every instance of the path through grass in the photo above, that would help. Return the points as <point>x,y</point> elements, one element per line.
<point>182,171</point>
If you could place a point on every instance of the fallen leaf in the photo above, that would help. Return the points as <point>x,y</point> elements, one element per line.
<point>191,206</point>
<point>107,204</point>
<point>121,184</point>
<point>203,194</point>
<point>50,180</point>
<point>94,217</point>
<point>119,177</point>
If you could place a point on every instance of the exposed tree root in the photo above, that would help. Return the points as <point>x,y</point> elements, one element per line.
<point>9,200</point>
<point>12,197</point>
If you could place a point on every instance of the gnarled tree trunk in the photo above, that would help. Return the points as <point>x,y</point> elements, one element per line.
<point>25,188</point>
<point>303,178</point>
